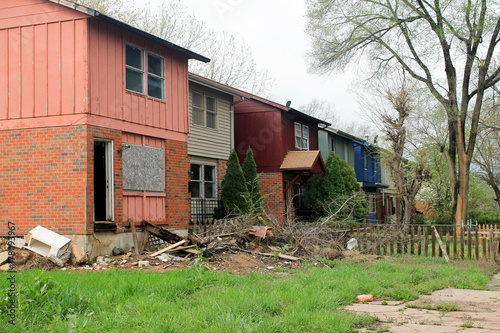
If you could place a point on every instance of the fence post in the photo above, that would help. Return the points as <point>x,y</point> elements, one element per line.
<point>433,243</point>
<point>477,244</point>
<point>419,237</point>
<point>426,241</point>
<point>455,242</point>
<point>462,244</point>
<point>492,245</point>
<point>412,250</point>
<point>469,243</point>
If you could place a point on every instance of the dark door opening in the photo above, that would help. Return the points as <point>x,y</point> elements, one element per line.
<point>100,186</point>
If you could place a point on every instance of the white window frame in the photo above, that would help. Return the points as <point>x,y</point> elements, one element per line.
<point>204,110</point>
<point>145,74</point>
<point>301,136</point>
<point>202,181</point>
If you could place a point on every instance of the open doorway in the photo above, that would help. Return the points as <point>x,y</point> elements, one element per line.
<point>103,181</point>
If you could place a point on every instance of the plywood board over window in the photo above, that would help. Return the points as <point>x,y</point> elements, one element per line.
<point>143,168</point>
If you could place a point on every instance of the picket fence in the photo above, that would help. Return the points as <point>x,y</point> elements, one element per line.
<point>450,241</point>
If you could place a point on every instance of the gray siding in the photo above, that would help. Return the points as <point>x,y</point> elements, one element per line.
<point>210,142</point>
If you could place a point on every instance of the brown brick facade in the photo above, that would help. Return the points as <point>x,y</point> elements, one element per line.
<point>177,166</point>
<point>47,179</point>
<point>271,187</point>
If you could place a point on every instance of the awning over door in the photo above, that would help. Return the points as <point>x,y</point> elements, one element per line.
<point>309,161</point>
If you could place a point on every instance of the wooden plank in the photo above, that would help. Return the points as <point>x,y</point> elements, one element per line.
<point>484,248</point>
<point>419,240</point>
<point>412,245</point>
<point>469,243</point>
<point>144,242</point>
<point>426,244</point>
<point>134,236</point>
<point>476,244</point>
<point>167,248</point>
<point>433,243</point>
<point>455,242</point>
<point>441,245</point>
<point>462,244</point>
<point>492,245</point>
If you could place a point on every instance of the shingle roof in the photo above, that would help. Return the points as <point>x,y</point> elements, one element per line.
<point>303,160</point>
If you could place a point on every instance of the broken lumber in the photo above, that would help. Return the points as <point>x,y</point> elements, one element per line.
<point>280,255</point>
<point>161,232</point>
<point>134,236</point>
<point>168,248</point>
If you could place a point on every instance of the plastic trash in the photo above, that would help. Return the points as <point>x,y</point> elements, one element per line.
<point>352,244</point>
<point>365,298</point>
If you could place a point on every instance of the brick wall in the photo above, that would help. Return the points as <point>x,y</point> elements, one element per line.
<point>46,178</point>
<point>221,172</point>
<point>271,186</point>
<point>177,166</point>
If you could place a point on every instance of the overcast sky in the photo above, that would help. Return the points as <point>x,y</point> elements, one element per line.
<point>275,31</point>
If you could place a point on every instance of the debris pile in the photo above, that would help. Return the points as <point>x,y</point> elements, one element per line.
<point>237,242</point>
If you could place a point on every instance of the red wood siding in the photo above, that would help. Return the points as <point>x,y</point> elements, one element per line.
<point>140,206</point>
<point>44,62</point>
<point>108,96</point>
<point>32,12</point>
<point>270,133</point>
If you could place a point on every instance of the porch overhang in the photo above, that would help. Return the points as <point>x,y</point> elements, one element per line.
<point>302,164</point>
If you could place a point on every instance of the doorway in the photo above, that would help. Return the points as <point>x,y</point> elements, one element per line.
<point>103,181</point>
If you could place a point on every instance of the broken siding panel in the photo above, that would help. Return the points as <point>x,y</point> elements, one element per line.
<point>209,142</point>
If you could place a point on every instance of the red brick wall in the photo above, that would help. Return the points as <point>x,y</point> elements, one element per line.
<point>177,166</point>
<point>46,178</point>
<point>221,172</point>
<point>271,187</point>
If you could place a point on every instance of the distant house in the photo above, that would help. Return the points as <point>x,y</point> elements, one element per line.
<point>369,175</point>
<point>94,122</point>
<point>285,146</point>
<point>339,142</point>
<point>211,140</point>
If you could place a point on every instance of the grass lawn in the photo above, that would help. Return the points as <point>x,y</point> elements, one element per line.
<point>202,300</point>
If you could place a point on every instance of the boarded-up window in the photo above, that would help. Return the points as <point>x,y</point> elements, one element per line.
<point>143,169</point>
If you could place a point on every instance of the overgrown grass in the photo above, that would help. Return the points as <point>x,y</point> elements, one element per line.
<point>201,300</point>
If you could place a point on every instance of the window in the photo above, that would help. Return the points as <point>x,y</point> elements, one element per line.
<point>204,110</point>
<point>203,182</point>
<point>301,136</point>
<point>372,202</point>
<point>135,72</point>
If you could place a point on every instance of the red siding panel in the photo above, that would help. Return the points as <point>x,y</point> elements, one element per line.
<point>81,63</point>
<point>14,57</point>
<point>41,70</point>
<point>27,72</point>
<point>54,67</point>
<point>4,78</point>
<point>68,67</point>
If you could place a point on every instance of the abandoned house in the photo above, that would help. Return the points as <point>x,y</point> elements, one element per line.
<point>94,123</point>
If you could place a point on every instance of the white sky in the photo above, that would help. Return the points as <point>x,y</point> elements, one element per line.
<point>275,31</point>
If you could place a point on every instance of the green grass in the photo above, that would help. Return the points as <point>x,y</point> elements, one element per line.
<point>201,300</point>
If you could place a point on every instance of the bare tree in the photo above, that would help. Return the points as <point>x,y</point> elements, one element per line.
<point>447,46</point>
<point>408,175</point>
<point>321,109</point>
<point>232,62</point>
<point>487,157</point>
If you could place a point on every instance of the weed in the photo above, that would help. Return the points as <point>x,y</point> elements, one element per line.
<point>384,303</point>
<point>468,324</point>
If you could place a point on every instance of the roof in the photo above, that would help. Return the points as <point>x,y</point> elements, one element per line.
<point>303,160</point>
<point>246,96</point>
<point>217,86</point>
<point>89,11</point>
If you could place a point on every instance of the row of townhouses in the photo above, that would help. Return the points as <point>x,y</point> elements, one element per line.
<point>101,124</point>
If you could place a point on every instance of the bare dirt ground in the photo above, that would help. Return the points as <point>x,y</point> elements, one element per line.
<point>447,310</point>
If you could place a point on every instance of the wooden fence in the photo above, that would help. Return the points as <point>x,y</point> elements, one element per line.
<point>449,241</point>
